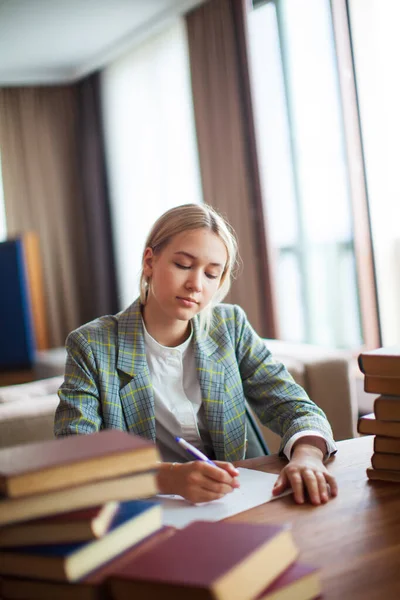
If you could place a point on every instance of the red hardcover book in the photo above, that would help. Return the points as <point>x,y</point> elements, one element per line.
<point>208,560</point>
<point>91,587</point>
<point>298,582</point>
<point>56,464</point>
<point>73,526</point>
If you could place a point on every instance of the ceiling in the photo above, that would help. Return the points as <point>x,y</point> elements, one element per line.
<point>57,41</point>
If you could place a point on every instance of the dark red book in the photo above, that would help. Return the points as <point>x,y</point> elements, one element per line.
<point>73,526</point>
<point>208,560</point>
<point>40,467</point>
<point>298,582</point>
<point>91,587</point>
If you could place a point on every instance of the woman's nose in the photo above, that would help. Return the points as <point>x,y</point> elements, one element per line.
<point>194,281</point>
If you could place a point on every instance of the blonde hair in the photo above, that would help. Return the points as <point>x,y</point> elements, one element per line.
<point>184,218</point>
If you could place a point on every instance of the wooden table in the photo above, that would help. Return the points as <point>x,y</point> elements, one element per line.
<point>355,537</point>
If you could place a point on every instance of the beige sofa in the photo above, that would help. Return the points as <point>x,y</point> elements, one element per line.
<point>27,410</point>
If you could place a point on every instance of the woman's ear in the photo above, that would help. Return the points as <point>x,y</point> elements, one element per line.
<point>148,261</point>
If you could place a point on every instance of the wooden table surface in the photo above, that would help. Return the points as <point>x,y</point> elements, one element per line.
<point>355,537</point>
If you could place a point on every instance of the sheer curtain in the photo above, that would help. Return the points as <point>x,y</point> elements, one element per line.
<point>150,144</point>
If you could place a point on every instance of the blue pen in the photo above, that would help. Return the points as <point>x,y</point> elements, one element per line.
<point>194,451</point>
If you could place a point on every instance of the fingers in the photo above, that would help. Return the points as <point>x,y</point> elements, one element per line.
<point>311,484</point>
<point>202,482</point>
<point>332,484</point>
<point>323,492</point>
<point>228,467</point>
<point>230,470</point>
<point>316,483</point>
<point>296,483</point>
<point>280,484</point>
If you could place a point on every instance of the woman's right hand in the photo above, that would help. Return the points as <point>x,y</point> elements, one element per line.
<point>198,481</point>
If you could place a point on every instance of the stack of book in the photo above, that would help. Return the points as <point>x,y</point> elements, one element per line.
<point>69,506</point>
<point>72,527</point>
<point>381,368</point>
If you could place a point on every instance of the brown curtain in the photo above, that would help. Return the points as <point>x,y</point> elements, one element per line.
<point>226,143</point>
<point>95,199</point>
<point>40,133</point>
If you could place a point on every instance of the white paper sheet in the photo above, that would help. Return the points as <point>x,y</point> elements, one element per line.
<point>255,489</point>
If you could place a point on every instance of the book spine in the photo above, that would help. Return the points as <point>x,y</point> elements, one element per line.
<point>386,461</point>
<point>386,445</point>
<point>382,385</point>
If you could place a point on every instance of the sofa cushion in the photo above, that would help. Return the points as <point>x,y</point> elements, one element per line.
<point>23,421</point>
<point>34,389</point>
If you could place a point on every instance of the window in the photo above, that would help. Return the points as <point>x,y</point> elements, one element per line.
<point>304,173</point>
<point>376,47</point>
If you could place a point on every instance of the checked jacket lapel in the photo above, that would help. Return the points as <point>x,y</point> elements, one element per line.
<point>211,375</point>
<point>136,391</point>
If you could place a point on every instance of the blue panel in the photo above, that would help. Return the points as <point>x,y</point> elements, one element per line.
<point>16,331</point>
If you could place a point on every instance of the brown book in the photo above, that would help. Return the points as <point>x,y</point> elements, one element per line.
<point>381,475</point>
<point>382,385</point>
<point>209,560</point>
<point>383,362</point>
<point>73,526</point>
<point>52,465</point>
<point>368,425</point>
<point>91,587</point>
<point>299,582</point>
<point>141,485</point>
<point>134,521</point>
<point>387,408</point>
<point>387,445</point>
<point>389,462</point>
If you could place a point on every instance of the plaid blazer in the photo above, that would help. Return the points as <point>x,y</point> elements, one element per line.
<point>107,382</point>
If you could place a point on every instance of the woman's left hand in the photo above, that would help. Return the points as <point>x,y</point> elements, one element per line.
<point>307,472</point>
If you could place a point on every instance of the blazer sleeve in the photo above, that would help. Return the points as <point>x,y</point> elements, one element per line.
<point>278,401</point>
<point>79,408</point>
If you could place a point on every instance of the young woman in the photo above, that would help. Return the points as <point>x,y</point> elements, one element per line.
<point>179,363</point>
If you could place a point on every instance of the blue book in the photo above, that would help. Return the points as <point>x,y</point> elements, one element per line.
<point>16,329</point>
<point>135,520</point>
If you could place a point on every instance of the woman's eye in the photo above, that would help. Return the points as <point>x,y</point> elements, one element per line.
<point>181,266</point>
<point>211,276</point>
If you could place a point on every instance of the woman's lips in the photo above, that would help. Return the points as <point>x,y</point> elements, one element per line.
<point>187,301</point>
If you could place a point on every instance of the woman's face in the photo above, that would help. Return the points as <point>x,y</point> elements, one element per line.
<point>186,274</point>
